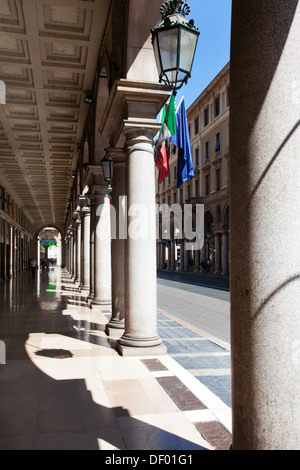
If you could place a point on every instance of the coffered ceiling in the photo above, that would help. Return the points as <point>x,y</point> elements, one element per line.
<point>48,60</point>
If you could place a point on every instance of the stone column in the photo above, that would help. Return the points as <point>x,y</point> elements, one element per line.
<point>102,279</point>
<point>169,254</point>
<point>74,254</point>
<point>73,251</point>
<point>225,253</point>
<point>217,254</point>
<point>92,251</point>
<point>197,261</point>
<point>77,279</point>
<point>86,221</point>
<point>186,259</point>
<point>161,255</point>
<point>116,325</point>
<point>173,267</point>
<point>140,336</point>
<point>182,254</point>
<point>130,122</point>
<point>264,216</point>
<point>203,253</point>
<point>39,253</point>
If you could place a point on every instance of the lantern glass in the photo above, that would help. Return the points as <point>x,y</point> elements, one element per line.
<point>168,43</point>
<point>107,166</point>
<point>174,51</point>
<point>188,43</point>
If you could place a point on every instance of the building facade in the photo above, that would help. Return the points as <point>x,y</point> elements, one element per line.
<point>17,238</point>
<point>208,119</point>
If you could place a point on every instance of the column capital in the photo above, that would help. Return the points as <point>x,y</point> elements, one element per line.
<point>98,191</point>
<point>94,176</point>
<point>132,105</point>
<point>84,203</point>
<point>118,155</point>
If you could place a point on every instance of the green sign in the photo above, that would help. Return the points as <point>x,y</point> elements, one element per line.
<point>48,242</point>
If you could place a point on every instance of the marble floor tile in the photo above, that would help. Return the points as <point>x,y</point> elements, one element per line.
<point>140,396</point>
<point>118,368</point>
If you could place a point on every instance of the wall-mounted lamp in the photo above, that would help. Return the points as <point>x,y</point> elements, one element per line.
<point>174,43</point>
<point>88,99</point>
<point>107,167</point>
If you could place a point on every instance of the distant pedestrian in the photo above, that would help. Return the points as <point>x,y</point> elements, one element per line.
<point>208,265</point>
<point>33,266</point>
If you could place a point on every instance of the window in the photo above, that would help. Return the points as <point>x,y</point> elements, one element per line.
<point>218,179</point>
<point>189,192</point>
<point>206,117</point>
<point>175,174</point>
<point>2,197</point>
<point>218,142</point>
<point>181,196</point>
<point>197,188</point>
<point>207,149</point>
<point>196,126</point>
<point>228,96</point>
<point>217,106</point>
<point>197,156</point>
<point>207,185</point>
<point>175,197</point>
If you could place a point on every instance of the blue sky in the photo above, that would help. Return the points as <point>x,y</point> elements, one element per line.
<point>213,19</point>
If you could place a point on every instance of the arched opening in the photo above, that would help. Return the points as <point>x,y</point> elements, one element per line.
<point>209,238</point>
<point>49,247</point>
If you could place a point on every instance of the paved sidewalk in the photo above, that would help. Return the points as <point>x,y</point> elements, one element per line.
<point>205,357</point>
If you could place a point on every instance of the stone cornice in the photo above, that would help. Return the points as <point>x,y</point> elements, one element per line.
<point>132,104</point>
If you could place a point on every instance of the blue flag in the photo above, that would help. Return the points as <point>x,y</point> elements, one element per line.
<point>185,166</point>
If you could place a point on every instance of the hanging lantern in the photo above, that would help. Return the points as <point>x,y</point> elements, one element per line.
<point>174,43</point>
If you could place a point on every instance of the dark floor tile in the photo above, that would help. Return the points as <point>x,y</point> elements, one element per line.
<point>180,394</point>
<point>215,433</point>
<point>153,365</point>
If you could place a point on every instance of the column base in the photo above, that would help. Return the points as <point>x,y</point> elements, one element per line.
<point>115,333</point>
<point>90,297</point>
<point>85,289</point>
<point>115,329</point>
<point>97,304</point>
<point>129,345</point>
<point>77,284</point>
<point>134,351</point>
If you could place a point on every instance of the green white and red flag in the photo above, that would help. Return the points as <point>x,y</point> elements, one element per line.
<point>168,129</point>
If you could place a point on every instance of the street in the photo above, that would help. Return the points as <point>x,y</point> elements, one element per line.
<point>201,301</point>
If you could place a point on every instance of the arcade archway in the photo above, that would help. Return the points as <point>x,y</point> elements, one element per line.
<point>49,247</point>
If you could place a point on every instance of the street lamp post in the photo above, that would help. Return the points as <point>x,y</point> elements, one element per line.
<point>174,43</point>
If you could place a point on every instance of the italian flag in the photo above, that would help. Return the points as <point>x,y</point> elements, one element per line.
<point>168,129</point>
